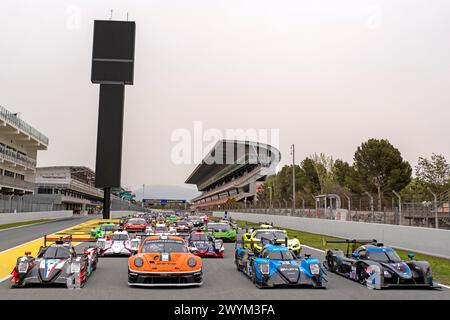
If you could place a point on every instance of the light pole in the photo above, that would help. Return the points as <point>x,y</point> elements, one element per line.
<point>143,195</point>
<point>270,197</point>
<point>293,177</point>
<point>436,219</point>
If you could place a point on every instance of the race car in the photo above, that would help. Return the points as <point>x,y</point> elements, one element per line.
<point>172,218</point>
<point>252,239</point>
<point>118,244</point>
<point>204,245</point>
<point>277,266</point>
<point>57,263</point>
<point>377,266</point>
<point>164,261</point>
<point>196,222</point>
<point>160,228</point>
<point>222,231</point>
<point>135,225</point>
<point>103,230</point>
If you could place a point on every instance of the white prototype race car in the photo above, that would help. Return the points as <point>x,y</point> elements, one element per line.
<point>118,244</point>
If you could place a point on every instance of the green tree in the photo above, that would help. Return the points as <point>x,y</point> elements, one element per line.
<point>381,167</point>
<point>347,177</point>
<point>416,191</point>
<point>434,172</point>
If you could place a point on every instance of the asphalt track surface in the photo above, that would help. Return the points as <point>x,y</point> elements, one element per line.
<point>221,281</point>
<point>16,236</point>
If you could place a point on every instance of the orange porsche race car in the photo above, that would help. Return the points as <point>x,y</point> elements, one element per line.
<point>164,261</point>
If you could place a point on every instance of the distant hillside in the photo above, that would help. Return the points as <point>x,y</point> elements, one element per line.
<point>158,191</point>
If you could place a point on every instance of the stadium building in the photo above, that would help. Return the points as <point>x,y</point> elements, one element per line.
<point>70,187</point>
<point>232,170</point>
<point>19,145</point>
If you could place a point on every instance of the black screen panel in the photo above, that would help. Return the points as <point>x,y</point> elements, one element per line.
<point>108,164</point>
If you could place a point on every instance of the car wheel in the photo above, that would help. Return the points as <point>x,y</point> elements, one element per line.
<point>331,263</point>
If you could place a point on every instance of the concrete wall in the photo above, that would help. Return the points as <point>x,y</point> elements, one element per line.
<point>29,216</point>
<point>424,240</point>
<point>120,213</point>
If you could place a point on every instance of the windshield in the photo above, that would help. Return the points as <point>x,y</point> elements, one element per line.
<point>271,235</point>
<point>199,237</point>
<point>380,256</point>
<point>57,253</point>
<point>279,255</point>
<point>136,221</point>
<point>119,237</point>
<point>163,246</point>
<point>160,228</point>
<point>219,227</point>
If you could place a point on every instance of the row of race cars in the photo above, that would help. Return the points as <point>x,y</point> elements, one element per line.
<point>166,249</point>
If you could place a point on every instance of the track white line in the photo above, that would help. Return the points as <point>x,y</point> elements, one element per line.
<point>5,278</point>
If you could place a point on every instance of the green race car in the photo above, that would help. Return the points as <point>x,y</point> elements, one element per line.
<point>222,230</point>
<point>253,239</point>
<point>172,218</point>
<point>102,230</point>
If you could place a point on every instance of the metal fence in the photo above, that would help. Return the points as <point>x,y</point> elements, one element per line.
<point>430,214</point>
<point>36,203</point>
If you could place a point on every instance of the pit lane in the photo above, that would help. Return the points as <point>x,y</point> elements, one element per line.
<point>221,281</point>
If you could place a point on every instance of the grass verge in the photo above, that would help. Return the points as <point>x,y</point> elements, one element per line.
<point>20,224</point>
<point>439,266</point>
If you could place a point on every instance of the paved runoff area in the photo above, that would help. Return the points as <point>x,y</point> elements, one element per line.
<point>221,279</point>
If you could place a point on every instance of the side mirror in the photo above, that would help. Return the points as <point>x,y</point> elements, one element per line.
<point>355,255</point>
<point>411,256</point>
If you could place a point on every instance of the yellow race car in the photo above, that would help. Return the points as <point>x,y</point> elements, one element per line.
<point>254,239</point>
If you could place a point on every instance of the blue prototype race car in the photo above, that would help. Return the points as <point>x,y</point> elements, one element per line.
<point>278,266</point>
<point>377,266</point>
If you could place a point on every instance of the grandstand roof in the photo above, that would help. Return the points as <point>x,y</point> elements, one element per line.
<point>228,153</point>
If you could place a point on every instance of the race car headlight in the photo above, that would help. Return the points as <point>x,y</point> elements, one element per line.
<point>263,267</point>
<point>138,262</point>
<point>22,267</point>
<point>75,267</point>
<point>192,262</point>
<point>315,269</point>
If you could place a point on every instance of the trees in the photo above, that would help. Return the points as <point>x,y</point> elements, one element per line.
<point>381,167</point>
<point>434,172</point>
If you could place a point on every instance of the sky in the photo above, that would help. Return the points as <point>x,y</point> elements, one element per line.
<point>326,75</point>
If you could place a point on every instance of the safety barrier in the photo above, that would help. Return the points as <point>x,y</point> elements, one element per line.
<point>6,218</point>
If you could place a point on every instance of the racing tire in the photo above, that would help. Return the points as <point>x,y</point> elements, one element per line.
<point>255,281</point>
<point>361,274</point>
<point>331,264</point>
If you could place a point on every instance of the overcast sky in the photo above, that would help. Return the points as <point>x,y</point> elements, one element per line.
<point>328,74</point>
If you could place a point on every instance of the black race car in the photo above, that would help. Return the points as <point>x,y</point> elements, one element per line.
<point>377,266</point>
<point>205,245</point>
<point>57,263</point>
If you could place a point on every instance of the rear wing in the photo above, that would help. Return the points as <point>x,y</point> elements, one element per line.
<point>263,241</point>
<point>143,235</point>
<point>255,226</point>
<point>352,243</point>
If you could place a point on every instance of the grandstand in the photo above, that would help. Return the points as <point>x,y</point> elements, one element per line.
<point>232,170</point>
